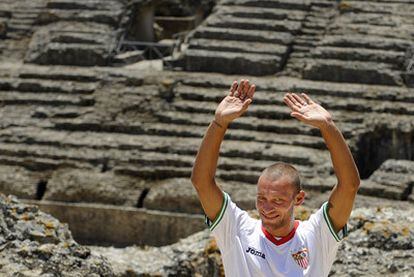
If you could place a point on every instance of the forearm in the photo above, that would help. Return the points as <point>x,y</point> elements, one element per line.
<point>205,164</point>
<point>342,160</point>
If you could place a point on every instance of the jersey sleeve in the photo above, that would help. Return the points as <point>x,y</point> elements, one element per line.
<point>328,239</point>
<point>228,224</point>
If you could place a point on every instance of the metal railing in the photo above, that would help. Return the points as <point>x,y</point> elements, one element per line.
<point>151,50</point>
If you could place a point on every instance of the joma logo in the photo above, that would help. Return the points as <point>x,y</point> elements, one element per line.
<point>255,252</point>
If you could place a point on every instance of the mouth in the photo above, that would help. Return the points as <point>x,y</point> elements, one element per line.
<point>270,217</point>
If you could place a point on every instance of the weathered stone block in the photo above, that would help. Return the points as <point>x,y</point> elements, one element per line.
<point>75,185</point>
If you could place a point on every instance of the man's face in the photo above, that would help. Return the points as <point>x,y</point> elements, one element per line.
<point>275,202</point>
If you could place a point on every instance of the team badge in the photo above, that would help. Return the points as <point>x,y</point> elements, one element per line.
<point>301,257</point>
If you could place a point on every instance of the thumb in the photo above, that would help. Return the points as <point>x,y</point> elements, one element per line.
<point>246,104</point>
<point>298,116</point>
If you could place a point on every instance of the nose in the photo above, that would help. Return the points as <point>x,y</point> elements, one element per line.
<point>267,208</point>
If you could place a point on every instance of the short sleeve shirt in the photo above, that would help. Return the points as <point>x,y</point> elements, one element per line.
<point>247,249</point>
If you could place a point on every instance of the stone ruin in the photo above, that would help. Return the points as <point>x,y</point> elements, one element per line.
<point>95,135</point>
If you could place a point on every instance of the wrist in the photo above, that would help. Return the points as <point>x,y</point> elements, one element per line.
<point>220,123</point>
<point>327,125</point>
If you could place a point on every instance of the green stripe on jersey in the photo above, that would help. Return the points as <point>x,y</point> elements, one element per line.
<point>328,221</point>
<point>223,209</point>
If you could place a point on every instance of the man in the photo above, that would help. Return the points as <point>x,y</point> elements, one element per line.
<point>275,245</point>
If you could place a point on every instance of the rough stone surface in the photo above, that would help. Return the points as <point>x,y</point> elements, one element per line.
<point>119,137</point>
<point>36,244</point>
<point>379,242</point>
<point>394,178</point>
<point>60,43</point>
<point>93,187</point>
<point>19,181</point>
<point>196,255</point>
<point>179,195</point>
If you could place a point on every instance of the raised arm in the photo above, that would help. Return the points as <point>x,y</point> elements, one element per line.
<point>231,107</point>
<point>343,194</point>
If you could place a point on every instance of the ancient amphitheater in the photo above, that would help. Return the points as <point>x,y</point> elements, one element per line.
<point>104,104</point>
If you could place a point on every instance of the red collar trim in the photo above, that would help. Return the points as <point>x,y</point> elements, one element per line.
<point>283,240</point>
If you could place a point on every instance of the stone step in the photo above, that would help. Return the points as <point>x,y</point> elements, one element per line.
<point>367,42</point>
<point>78,38</point>
<point>323,14</point>
<point>320,26</point>
<point>317,18</point>
<point>46,86</point>
<point>378,8</point>
<point>93,186</point>
<point>96,146</point>
<point>394,178</point>
<point>352,72</point>
<point>323,3</point>
<point>28,98</point>
<point>232,63</point>
<point>389,20</point>
<point>300,51</point>
<point>312,31</point>
<point>84,5</point>
<point>179,195</point>
<point>243,35</point>
<point>307,37</point>
<point>366,91</point>
<point>242,46</point>
<point>19,28</point>
<point>264,99</point>
<point>42,111</point>
<point>164,164</point>
<point>164,172</point>
<point>322,10</point>
<point>257,12</point>
<point>403,32</point>
<point>61,75</point>
<point>280,4</point>
<point>62,53</point>
<point>25,15</point>
<point>384,191</point>
<point>20,21</point>
<point>135,226</point>
<point>267,111</point>
<point>39,165</point>
<point>287,127</point>
<point>110,17</point>
<point>394,58</point>
<point>225,21</point>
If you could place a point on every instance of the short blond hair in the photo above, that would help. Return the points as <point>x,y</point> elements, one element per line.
<point>281,169</point>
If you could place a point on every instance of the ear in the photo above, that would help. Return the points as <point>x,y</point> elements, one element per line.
<point>300,198</point>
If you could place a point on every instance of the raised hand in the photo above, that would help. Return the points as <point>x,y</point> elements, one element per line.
<point>236,102</point>
<point>306,110</point>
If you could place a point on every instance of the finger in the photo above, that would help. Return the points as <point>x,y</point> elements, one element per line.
<point>246,89</point>
<point>293,100</point>
<point>251,91</point>
<point>290,104</point>
<point>240,88</point>
<point>307,98</point>
<point>299,99</point>
<point>233,88</point>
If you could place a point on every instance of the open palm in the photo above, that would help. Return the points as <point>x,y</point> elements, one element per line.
<point>236,102</point>
<point>306,110</point>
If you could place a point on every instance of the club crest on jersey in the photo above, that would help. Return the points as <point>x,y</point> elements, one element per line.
<point>301,258</point>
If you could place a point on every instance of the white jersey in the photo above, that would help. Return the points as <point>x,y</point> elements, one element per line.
<point>247,249</point>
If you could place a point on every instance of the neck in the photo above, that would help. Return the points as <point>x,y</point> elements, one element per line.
<point>282,231</point>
